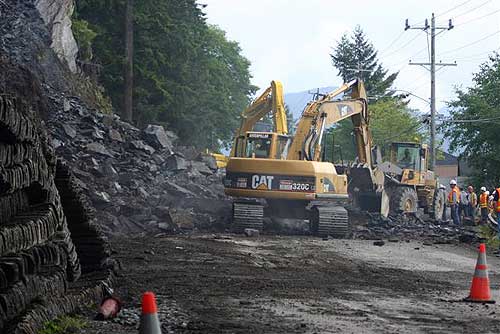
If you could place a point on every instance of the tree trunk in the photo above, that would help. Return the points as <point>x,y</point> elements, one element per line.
<point>129,55</point>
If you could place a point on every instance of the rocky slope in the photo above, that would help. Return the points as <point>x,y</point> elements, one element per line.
<point>138,180</point>
<point>67,171</point>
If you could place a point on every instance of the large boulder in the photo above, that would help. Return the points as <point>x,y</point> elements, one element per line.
<point>176,162</point>
<point>156,136</point>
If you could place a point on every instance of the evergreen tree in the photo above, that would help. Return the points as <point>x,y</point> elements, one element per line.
<point>355,56</point>
<point>187,75</point>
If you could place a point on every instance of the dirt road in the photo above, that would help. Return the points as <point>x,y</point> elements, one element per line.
<point>233,284</point>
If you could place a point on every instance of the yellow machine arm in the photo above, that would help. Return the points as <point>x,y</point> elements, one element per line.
<point>324,112</point>
<point>270,101</point>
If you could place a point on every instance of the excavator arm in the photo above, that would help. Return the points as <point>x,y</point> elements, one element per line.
<point>319,115</point>
<point>270,101</point>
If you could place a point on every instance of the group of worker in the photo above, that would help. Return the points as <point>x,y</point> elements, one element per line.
<point>464,203</point>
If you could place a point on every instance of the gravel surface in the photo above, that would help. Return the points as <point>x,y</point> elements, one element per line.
<point>231,284</point>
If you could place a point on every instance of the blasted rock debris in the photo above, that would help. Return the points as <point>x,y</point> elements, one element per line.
<point>403,228</point>
<point>136,177</point>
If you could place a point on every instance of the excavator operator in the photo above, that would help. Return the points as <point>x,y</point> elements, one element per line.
<point>262,149</point>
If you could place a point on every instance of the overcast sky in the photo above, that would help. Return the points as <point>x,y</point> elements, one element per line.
<point>290,40</point>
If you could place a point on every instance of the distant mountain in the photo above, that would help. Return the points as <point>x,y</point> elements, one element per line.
<point>297,101</point>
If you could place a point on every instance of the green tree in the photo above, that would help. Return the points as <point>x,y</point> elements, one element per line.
<point>477,141</point>
<point>391,121</point>
<point>187,75</point>
<point>355,56</point>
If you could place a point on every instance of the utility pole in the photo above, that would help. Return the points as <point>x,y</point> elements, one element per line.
<point>431,67</point>
<point>129,56</point>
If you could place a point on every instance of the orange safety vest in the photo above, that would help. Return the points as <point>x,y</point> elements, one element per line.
<point>450,196</point>
<point>498,202</point>
<point>483,200</point>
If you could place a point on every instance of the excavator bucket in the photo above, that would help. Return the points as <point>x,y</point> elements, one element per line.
<point>366,189</point>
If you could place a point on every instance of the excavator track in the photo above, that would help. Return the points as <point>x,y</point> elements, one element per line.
<point>331,221</point>
<point>247,215</point>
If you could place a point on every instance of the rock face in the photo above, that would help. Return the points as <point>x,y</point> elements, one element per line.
<point>57,16</point>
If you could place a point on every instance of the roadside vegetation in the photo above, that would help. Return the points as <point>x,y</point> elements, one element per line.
<point>64,325</point>
<point>475,119</point>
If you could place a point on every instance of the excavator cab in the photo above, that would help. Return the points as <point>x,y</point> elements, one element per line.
<point>263,145</point>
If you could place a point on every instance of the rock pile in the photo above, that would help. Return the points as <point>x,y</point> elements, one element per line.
<point>138,180</point>
<point>412,228</point>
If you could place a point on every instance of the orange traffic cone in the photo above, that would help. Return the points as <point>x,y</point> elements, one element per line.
<point>149,319</point>
<point>480,287</point>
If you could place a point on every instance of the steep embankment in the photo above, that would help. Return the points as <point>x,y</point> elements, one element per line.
<point>45,227</point>
<point>67,170</point>
<point>42,238</point>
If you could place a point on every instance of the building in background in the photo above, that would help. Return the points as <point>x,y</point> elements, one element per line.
<point>447,165</point>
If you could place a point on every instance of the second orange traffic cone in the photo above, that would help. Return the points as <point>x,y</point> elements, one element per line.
<point>480,288</point>
<point>149,318</point>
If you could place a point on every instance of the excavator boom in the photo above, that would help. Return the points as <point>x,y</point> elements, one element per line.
<point>320,114</point>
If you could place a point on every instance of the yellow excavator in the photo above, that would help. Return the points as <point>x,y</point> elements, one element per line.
<point>271,101</point>
<point>271,174</point>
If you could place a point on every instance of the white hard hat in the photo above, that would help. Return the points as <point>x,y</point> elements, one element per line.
<point>487,192</point>
<point>453,182</point>
<point>483,188</point>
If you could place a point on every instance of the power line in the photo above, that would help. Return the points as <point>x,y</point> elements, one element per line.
<point>392,43</point>
<point>471,10</point>
<point>478,54</point>
<point>415,127</point>
<point>477,18</point>
<point>479,120</point>
<point>472,43</point>
<point>402,47</point>
<point>452,9</point>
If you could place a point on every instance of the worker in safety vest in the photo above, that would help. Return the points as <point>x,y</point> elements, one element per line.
<point>471,210</point>
<point>454,201</point>
<point>483,205</point>
<point>496,207</point>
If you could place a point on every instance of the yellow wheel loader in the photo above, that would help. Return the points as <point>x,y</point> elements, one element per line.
<point>271,174</point>
<point>409,184</point>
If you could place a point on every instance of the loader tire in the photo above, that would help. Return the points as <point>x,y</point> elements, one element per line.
<point>404,200</point>
<point>438,204</point>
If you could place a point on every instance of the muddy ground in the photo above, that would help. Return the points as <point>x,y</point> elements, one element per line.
<point>233,284</point>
